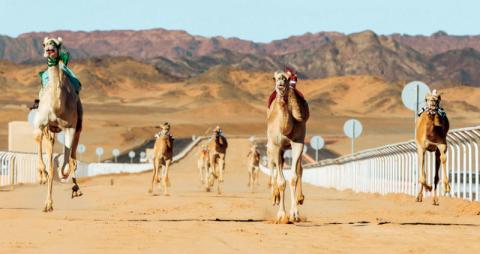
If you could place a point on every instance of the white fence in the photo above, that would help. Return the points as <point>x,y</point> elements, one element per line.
<point>18,168</point>
<point>394,168</point>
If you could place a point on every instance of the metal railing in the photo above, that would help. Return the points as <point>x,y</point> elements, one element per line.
<point>394,168</point>
<point>18,168</point>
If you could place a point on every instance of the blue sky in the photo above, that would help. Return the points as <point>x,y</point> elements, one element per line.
<point>258,20</point>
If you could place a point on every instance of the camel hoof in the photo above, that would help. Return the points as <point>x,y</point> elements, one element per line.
<point>294,215</point>
<point>419,198</point>
<point>207,189</point>
<point>48,207</point>
<point>166,194</point>
<point>150,191</point>
<point>435,201</point>
<point>282,218</point>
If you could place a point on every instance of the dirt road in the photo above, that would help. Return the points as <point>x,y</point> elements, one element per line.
<point>116,215</point>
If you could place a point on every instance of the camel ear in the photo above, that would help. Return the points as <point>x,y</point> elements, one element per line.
<point>45,40</point>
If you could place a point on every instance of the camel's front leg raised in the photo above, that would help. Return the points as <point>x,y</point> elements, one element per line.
<point>76,192</point>
<point>50,142</point>
<point>296,181</point>
<point>42,173</point>
<point>68,153</point>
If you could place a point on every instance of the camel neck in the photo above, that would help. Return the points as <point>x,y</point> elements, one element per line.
<point>54,83</point>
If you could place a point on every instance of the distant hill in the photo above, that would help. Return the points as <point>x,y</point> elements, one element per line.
<point>439,58</point>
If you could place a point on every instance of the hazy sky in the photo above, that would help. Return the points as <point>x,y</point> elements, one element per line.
<point>258,20</point>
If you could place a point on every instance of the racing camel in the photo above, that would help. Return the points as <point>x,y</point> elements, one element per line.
<point>253,167</point>
<point>162,158</point>
<point>217,149</point>
<point>287,116</point>
<point>431,135</point>
<point>59,109</point>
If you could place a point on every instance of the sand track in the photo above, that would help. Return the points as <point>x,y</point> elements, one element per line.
<point>123,218</point>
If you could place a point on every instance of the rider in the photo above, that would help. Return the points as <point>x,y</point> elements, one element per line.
<point>165,130</point>
<point>55,55</point>
<point>440,111</point>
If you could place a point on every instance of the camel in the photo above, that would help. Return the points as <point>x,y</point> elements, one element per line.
<point>162,157</point>
<point>431,135</point>
<point>217,149</point>
<point>253,166</point>
<point>203,164</point>
<point>286,128</point>
<point>59,109</point>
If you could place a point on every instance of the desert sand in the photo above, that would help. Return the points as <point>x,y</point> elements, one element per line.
<point>116,215</point>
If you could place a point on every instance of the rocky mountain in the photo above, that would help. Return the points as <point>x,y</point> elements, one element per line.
<point>439,42</point>
<point>438,58</point>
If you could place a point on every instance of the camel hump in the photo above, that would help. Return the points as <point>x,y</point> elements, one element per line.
<point>300,110</point>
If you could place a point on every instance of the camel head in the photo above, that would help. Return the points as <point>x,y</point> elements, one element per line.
<point>165,130</point>
<point>433,101</point>
<point>281,82</point>
<point>51,47</point>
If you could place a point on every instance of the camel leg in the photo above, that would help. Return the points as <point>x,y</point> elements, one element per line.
<point>437,178</point>
<point>257,176</point>
<point>443,158</point>
<point>156,163</point>
<point>297,149</point>
<point>271,166</point>
<point>51,141</point>
<point>166,179</point>
<point>221,168</point>
<point>277,159</point>
<point>76,192</point>
<point>421,179</point>
<point>281,186</point>
<point>251,180</point>
<point>68,153</point>
<point>42,173</point>
<point>200,171</point>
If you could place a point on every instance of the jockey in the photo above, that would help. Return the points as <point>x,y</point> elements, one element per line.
<point>165,130</point>
<point>292,82</point>
<point>55,55</point>
<point>217,131</point>
<point>435,108</point>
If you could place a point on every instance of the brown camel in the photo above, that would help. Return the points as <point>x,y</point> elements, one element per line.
<point>59,109</point>
<point>162,157</point>
<point>286,120</point>
<point>217,149</point>
<point>203,164</point>
<point>431,135</point>
<point>253,167</point>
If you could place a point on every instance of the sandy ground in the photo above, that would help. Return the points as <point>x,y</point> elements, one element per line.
<point>116,215</point>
